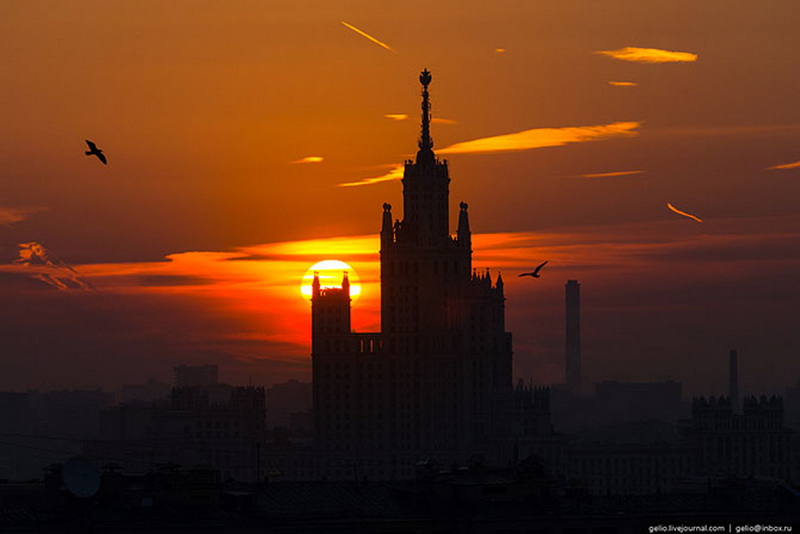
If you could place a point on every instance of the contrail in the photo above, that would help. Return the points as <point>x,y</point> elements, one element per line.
<point>368,36</point>
<point>609,174</point>
<point>679,212</point>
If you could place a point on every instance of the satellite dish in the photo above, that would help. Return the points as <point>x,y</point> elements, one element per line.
<point>81,477</point>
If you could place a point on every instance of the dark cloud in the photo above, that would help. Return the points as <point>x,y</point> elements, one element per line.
<point>167,280</point>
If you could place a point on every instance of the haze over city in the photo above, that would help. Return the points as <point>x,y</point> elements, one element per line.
<point>649,150</point>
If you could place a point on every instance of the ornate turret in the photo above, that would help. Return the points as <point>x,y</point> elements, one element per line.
<point>315,285</point>
<point>330,311</point>
<point>464,235</point>
<point>387,234</point>
<point>425,188</point>
<point>425,153</point>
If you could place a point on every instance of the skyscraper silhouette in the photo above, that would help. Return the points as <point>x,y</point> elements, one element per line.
<point>436,381</point>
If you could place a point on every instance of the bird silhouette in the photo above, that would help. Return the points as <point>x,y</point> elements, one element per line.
<point>534,273</point>
<point>94,151</point>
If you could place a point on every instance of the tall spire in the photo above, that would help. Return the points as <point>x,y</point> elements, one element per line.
<point>425,152</point>
<point>346,284</point>
<point>464,235</point>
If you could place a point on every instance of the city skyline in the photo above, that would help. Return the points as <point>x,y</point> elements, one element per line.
<point>190,245</point>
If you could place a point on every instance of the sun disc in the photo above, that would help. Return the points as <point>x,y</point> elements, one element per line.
<point>330,274</point>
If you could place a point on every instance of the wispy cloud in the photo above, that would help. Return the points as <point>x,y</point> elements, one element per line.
<point>49,268</point>
<point>609,174</point>
<point>10,215</point>
<point>395,173</point>
<point>368,36</point>
<point>403,116</point>
<point>623,84</point>
<point>544,137</point>
<point>308,159</point>
<point>715,131</point>
<point>648,55</point>
<point>785,166</point>
<point>679,212</point>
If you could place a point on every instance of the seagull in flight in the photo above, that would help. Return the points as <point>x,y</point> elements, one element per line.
<point>94,151</point>
<point>535,273</point>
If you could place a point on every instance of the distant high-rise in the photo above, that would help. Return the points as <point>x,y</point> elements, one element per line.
<point>573,341</point>
<point>436,382</point>
<point>733,380</point>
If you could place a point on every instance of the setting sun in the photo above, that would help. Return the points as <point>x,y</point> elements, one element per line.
<point>330,275</point>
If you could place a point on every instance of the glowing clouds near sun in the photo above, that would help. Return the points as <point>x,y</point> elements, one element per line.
<point>648,55</point>
<point>544,137</point>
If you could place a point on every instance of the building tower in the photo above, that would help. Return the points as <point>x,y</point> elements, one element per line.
<point>573,341</point>
<point>437,380</point>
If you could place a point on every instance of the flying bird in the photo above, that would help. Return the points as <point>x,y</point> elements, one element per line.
<point>535,273</point>
<point>94,151</point>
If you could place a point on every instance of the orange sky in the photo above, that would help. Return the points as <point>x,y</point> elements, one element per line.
<point>228,129</point>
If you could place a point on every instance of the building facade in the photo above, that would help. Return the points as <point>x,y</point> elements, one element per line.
<point>754,442</point>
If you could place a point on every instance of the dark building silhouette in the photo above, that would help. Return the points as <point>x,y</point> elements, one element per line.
<point>436,381</point>
<point>211,425</point>
<point>615,402</point>
<point>754,442</point>
<point>148,392</point>
<point>288,404</point>
<point>39,428</point>
<point>791,399</point>
<point>573,342</point>
<point>733,381</point>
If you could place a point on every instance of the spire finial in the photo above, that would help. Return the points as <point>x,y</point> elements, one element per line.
<point>425,141</point>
